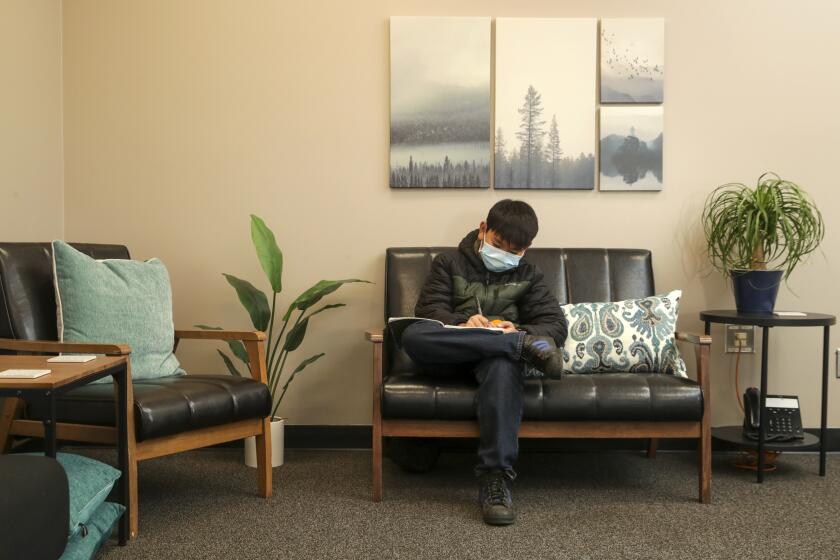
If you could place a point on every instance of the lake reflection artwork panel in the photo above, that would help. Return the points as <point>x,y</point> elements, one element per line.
<point>440,102</point>
<point>631,148</point>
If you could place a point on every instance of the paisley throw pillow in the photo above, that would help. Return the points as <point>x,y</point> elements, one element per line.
<point>635,335</point>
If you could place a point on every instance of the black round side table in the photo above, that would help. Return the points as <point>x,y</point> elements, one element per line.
<point>766,321</point>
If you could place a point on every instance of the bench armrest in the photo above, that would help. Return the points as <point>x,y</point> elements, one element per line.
<point>693,338</point>
<point>374,335</point>
<point>702,348</point>
<point>54,347</point>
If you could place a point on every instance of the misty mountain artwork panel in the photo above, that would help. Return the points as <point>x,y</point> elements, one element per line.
<point>631,148</point>
<point>440,102</point>
<point>632,60</point>
<point>545,103</point>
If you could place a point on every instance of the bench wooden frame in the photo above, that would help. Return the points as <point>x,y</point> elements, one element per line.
<point>254,343</point>
<point>554,429</point>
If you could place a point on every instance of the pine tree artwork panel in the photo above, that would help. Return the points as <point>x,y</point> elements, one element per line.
<point>546,70</point>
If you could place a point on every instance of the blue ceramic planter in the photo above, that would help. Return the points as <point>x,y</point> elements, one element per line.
<point>756,290</point>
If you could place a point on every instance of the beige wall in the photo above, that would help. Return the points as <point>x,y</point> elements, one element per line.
<point>182,117</point>
<point>31,168</point>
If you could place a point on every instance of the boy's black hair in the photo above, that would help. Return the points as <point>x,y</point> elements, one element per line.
<point>514,221</point>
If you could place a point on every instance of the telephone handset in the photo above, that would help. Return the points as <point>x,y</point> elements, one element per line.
<point>783,417</point>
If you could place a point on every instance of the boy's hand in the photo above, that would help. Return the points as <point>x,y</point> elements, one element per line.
<point>506,325</point>
<point>477,321</point>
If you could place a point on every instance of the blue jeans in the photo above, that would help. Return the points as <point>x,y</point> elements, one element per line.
<point>494,359</point>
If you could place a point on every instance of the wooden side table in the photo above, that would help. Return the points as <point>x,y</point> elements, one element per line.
<point>62,378</point>
<point>767,321</point>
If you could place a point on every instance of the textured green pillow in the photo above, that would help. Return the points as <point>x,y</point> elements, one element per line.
<point>117,301</point>
<point>634,335</point>
<point>83,546</point>
<point>89,482</point>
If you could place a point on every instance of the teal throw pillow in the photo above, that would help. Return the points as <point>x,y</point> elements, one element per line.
<point>84,545</point>
<point>635,335</point>
<point>89,482</point>
<point>117,301</point>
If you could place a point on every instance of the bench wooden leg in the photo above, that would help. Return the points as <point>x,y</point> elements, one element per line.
<point>705,446</point>
<point>651,451</point>
<point>376,423</point>
<point>377,467</point>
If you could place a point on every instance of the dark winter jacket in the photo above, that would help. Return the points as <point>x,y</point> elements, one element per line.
<point>519,295</point>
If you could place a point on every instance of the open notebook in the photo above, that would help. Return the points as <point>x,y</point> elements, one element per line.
<point>398,324</point>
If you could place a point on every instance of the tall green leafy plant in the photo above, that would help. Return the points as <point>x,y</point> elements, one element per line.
<point>295,320</point>
<point>776,223</point>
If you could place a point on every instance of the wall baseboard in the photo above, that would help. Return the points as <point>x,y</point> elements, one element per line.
<point>359,437</point>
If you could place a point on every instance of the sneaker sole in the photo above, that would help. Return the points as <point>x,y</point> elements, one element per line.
<point>500,521</point>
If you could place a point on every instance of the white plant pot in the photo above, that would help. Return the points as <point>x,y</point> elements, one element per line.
<point>277,426</point>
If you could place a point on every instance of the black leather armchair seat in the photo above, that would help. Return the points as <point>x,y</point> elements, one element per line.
<point>409,403</point>
<point>168,405</point>
<point>606,396</point>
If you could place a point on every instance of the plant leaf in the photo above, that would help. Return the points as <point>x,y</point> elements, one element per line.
<point>254,301</point>
<point>314,294</point>
<point>208,328</point>
<point>330,306</point>
<point>239,351</point>
<point>231,368</point>
<point>269,254</point>
<point>307,361</point>
<point>295,336</point>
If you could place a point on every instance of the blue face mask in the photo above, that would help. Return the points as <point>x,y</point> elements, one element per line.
<point>496,260</point>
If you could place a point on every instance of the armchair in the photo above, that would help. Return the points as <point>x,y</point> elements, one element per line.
<point>171,414</point>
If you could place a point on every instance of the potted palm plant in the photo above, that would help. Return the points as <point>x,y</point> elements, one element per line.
<point>279,344</point>
<point>758,236</point>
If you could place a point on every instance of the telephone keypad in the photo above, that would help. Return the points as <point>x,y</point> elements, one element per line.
<point>782,421</point>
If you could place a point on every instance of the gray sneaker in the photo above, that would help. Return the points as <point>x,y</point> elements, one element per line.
<point>494,497</point>
<point>541,353</point>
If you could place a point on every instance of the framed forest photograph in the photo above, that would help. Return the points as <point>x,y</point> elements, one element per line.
<point>440,102</point>
<point>545,135</point>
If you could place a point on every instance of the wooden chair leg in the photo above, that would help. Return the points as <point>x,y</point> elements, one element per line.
<point>651,452</point>
<point>377,466</point>
<point>264,464</point>
<point>8,412</point>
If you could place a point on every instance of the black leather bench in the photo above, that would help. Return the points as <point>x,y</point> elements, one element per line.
<point>407,403</point>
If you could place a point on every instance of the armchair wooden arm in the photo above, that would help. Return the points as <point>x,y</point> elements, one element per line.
<point>254,342</point>
<point>54,347</point>
<point>219,335</point>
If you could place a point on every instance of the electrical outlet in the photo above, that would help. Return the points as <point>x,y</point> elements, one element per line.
<point>740,335</point>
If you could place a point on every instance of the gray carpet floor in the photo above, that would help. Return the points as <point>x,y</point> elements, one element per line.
<point>203,504</point>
